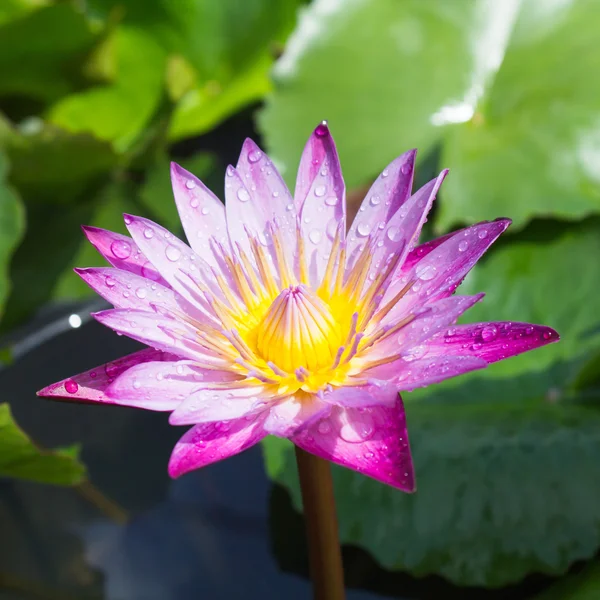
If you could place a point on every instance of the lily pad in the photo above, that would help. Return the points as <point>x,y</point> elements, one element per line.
<point>21,458</point>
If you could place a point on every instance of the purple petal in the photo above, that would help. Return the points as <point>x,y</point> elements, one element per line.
<point>91,385</point>
<point>324,203</point>
<point>391,189</point>
<point>211,442</point>
<point>372,441</point>
<point>207,405</point>
<point>420,369</point>
<point>438,273</point>
<point>375,393</point>
<point>422,250</point>
<point>175,261</point>
<point>162,385</point>
<point>291,414</point>
<point>122,252</point>
<point>202,214</point>
<point>491,341</point>
<point>157,331</point>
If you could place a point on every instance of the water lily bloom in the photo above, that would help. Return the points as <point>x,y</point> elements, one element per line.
<point>277,320</point>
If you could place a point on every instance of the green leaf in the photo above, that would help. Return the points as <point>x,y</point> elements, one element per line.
<point>118,112</point>
<point>51,165</point>
<point>223,50</point>
<point>583,586</point>
<point>42,52</point>
<point>12,226</point>
<point>156,195</point>
<point>20,458</point>
<point>507,91</point>
<point>10,9</point>
<point>506,458</point>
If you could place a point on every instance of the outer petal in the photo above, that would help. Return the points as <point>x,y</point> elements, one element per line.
<point>420,369</point>
<point>439,273</point>
<point>202,214</point>
<point>162,385</point>
<point>158,331</point>
<point>206,405</point>
<point>376,393</point>
<point>91,385</point>
<point>175,261</point>
<point>211,442</point>
<point>124,289</point>
<point>324,203</point>
<point>491,341</point>
<point>390,191</point>
<point>122,252</point>
<point>292,414</point>
<point>371,441</point>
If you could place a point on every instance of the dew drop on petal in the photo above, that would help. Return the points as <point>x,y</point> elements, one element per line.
<point>322,130</point>
<point>289,207</point>
<point>360,429</point>
<point>121,249</point>
<point>482,234</point>
<point>375,200</point>
<point>110,282</point>
<point>172,253</point>
<point>405,169</point>
<point>141,293</point>
<point>363,229</point>
<point>315,236</point>
<point>204,210</point>
<point>394,234</point>
<point>148,232</point>
<point>463,246</point>
<point>254,156</point>
<point>127,219</point>
<point>320,191</point>
<point>489,333</point>
<point>331,200</point>
<point>190,184</point>
<point>71,386</point>
<point>243,195</point>
<point>324,427</point>
<point>385,173</point>
<point>425,272</point>
<point>413,353</point>
<point>136,384</point>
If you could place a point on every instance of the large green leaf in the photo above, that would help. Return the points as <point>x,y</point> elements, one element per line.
<point>582,586</point>
<point>507,88</point>
<point>506,458</point>
<point>21,458</point>
<point>43,51</point>
<point>221,51</point>
<point>12,225</point>
<point>119,111</point>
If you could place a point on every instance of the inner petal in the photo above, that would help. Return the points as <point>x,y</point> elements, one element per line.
<point>298,331</point>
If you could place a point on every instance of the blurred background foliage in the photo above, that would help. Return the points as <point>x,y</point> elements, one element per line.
<point>97,96</point>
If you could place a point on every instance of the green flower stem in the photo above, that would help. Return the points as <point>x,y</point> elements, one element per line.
<point>325,556</point>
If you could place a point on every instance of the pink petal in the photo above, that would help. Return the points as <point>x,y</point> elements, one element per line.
<point>420,369</point>
<point>207,405</point>
<point>211,442</point>
<point>375,393</point>
<point>124,289</point>
<point>202,214</point>
<point>291,414</point>
<point>372,441</point>
<point>491,341</point>
<point>162,385</point>
<point>422,250</point>
<point>324,203</point>
<point>438,274</point>
<point>157,331</point>
<point>122,252</point>
<point>391,189</point>
<point>175,261</point>
<point>91,385</point>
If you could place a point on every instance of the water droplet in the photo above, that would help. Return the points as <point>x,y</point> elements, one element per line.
<point>229,171</point>
<point>121,249</point>
<point>489,333</point>
<point>254,156</point>
<point>394,234</point>
<point>463,246</point>
<point>425,272</point>
<point>385,173</point>
<point>405,169</point>
<point>93,374</point>
<point>141,293</point>
<point>148,232</point>
<point>324,427</point>
<point>322,130</point>
<point>136,384</point>
<point>320,191</point>
<point>275,194</point>
<point>179,369</point>
<point>546,335</point>
<point>128,220</point>
<point>172,253</point>
<point>363,229</point>
<point>71,386</point>
<point>289,207</point>
<point>194,202</point>
<point>482,234</point>
<point>243,195</point>
<point>315,236</point>
<point>190,184</point>
<point>110,281</point>
<point>528,330</point>
<point>413,353</point>
<point>359,429</point>
<point>375,200</point>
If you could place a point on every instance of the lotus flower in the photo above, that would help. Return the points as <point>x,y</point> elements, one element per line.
<point>275,320</point>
